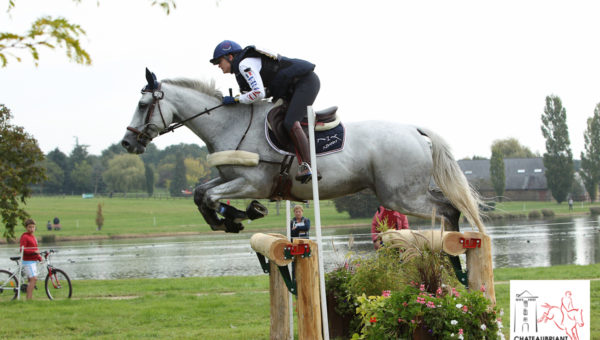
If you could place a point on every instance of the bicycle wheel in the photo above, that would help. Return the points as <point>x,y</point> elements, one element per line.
<point>58,285</point>
<point>8,286</point>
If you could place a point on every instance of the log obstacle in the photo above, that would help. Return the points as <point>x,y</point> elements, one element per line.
<point>476,245</point>
<point>280,252</point>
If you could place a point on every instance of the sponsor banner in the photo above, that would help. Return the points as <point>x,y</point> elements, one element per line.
<point>550,309</point>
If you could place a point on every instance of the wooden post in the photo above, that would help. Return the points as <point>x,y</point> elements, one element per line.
<point>479,265</point>
<point>309,302</point>
<point>280,322</point>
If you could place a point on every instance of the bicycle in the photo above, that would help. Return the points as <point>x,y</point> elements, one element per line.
<point>57,284</point>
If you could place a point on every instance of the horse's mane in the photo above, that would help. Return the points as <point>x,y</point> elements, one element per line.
<point>208,88</point>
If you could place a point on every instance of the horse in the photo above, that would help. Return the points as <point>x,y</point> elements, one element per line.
<point>410,169</point>
<point>567,320</point>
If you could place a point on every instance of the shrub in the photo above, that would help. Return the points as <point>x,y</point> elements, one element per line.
<point>548,213</point>
<point>534,214</point>
<point>595,210</point>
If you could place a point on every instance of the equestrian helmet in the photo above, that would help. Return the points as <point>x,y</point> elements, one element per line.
<point>224,48</point>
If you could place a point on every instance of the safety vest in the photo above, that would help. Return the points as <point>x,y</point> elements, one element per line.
<point>278,73</point>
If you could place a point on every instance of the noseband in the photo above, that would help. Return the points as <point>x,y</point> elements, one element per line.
<point>142,135</point>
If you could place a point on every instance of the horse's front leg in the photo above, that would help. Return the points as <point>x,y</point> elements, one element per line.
<point>237,188</point>
<point>209,213</point>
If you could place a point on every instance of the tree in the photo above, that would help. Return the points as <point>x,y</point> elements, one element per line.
<point>558,158</point>
<point>149,179</point>
<point>125,173</point>
<point>55,177</point>
<point>497,173</point>
<point>359,205</point>
<point>179,180</point>
<point>20,167</point>
<point>590,158</point>
<point>511,148</point>
<point>52,32</point>
<point>99,217</point>
<point>195,170</point>
<point>82,177</point>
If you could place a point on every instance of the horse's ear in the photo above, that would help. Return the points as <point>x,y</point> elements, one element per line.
<point>150,78</point>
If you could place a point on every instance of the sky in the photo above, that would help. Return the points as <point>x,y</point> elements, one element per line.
<point>472,71</point>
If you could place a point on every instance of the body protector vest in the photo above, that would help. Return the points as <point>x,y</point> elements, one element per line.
<point>278,73</point>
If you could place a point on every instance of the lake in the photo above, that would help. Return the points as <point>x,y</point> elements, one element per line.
<point>515,244</point>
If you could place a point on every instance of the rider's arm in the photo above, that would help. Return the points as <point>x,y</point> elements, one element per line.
<point>250,70</point>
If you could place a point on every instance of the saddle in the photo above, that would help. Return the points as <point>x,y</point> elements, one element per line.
<point>324,120</point>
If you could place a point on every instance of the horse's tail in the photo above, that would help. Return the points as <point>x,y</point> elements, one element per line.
<point>450,178</point>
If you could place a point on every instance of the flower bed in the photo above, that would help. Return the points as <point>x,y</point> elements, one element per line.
<point>407,294</point>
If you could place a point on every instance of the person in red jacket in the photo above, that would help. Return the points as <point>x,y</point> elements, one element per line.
<point>31,255</point>
<point>390,219</point>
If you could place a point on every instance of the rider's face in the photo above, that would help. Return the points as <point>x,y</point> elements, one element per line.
<point>225,63</point>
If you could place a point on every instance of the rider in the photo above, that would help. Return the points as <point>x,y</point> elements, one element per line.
<point>259,75</point>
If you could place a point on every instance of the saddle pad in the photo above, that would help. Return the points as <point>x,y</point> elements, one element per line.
<point>326,142</point>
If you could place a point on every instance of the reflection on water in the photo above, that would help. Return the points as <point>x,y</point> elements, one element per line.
<point>515,244</point>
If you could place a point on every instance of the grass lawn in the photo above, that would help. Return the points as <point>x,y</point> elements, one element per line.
<point>155,216</point>
<point>201,308</point>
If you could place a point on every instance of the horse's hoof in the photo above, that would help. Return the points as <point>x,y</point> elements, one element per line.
<point>256,210</point>
<point>219,227</point>
<point>232,227</point>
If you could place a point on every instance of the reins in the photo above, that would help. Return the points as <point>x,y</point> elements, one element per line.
<point>177,125</point>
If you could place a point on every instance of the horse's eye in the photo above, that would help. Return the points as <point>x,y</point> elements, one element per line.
<point>142,105</point>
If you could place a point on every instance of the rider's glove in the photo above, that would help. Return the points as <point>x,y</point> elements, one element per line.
<point>227,100</point>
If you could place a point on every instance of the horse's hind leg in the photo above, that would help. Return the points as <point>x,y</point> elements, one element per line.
<point>209,213</point>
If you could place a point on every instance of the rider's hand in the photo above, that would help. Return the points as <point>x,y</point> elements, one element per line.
<point>227,100</point>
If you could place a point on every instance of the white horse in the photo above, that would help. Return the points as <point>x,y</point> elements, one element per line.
<point>410,169</point>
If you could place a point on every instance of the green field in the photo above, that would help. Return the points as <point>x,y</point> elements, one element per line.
<point>154,216</point>
<point>201,308</point>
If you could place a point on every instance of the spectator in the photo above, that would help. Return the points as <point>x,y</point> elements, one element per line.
<point>299,225</point>
<point>49,225</point>
<point>56,224</point>
<point>31,255</point>
<point>385,219</point>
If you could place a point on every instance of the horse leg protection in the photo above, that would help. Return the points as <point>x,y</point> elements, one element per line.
<point>231,213</point>
<point>256,210</point>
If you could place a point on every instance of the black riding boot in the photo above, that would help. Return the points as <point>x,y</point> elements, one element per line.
<point>301,145</point>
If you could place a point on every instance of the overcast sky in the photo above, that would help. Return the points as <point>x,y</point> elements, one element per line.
<point>473,71</point>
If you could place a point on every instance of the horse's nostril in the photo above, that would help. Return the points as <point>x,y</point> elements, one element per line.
<point>125,144</point>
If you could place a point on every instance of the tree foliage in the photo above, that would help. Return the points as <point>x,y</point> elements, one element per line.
<point>125,173</point>
<point>179,180</point>
<point>558,158</point>
<point>360,205</point>
<point>20,167</point>
<point>497,173</point>
<point>590,157</point>
<point>149,173</point>
<point>52,32</point>
<point>511,148</point>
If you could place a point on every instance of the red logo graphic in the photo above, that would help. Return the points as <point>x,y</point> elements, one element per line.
<point>564,317</point>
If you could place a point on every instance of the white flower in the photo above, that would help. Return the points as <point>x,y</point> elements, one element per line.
<point>483,327</point>
<point>458,305</point>
<point>452,335</point>
<point>453,322</point>
<point>499,324</point>
<point>460,336</point>
<point>501,311</point>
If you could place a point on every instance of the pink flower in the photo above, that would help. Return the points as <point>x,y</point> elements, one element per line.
<point>465,309</point>
<point>460,331</point>
<point>373,319</point>
<point>430,304</point>
<point>422,288</point>
<point>404,304</point>
<point>412,321</point>
<point>482,288</point>
<point>400,320</point>
<point>420,300</point>
<point>386,293</point>
<point>439,291</point>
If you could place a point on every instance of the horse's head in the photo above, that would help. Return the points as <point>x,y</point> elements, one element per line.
<point>149,118</point>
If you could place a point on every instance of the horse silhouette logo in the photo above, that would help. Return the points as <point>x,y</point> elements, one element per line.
<point>565,316</point>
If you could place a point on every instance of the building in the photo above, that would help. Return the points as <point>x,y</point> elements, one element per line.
<point>525,178</point>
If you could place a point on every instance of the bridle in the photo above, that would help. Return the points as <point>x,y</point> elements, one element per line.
<point>142,135</point>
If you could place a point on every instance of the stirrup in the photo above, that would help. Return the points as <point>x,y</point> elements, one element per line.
<point>304,174</point>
